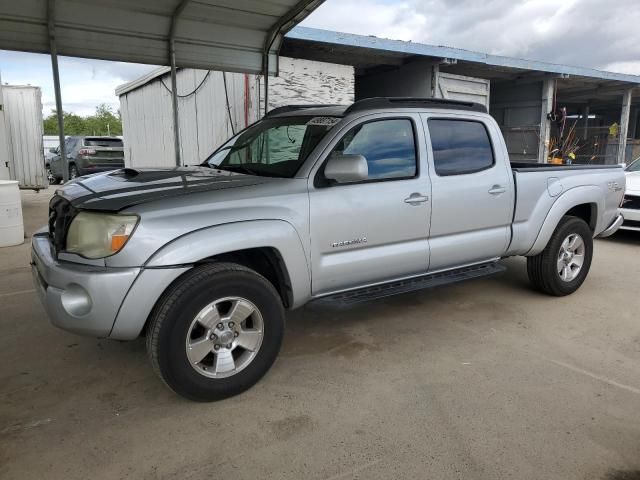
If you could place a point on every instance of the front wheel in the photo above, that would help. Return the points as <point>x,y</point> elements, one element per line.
<point>561,268</point>
<point>216,331</point>
<point>73,172</point>
<point>51,178</point>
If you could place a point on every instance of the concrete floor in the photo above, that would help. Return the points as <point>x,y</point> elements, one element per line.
<point>483,380</point>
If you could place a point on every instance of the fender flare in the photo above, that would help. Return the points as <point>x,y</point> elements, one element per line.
<point>229,237</point>
<point>564,203</point>
<point>179,255</point>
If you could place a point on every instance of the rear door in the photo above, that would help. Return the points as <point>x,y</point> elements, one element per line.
<point>376,230</point>
<point>472,191</point>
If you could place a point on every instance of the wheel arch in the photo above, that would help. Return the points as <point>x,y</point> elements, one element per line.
<point>585,202</point>
<point>271,247</point>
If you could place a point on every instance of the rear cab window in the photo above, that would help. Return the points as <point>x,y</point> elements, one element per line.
<point>102,142</point>
<point>460,146</point>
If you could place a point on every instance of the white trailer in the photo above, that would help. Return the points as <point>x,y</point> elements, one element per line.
<point>21,150</point>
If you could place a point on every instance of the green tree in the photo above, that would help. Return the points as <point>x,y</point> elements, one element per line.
<point>104,122</point>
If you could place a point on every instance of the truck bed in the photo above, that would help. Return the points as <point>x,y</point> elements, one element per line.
<point>540,185</point>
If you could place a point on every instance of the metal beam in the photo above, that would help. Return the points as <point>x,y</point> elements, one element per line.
<point>598,91</point>
<point>527,78</point>
<point>272,36</point>
<point>174,82</point>
<point>51,16</point>
<point>624,125</point>
<point>548,90</point>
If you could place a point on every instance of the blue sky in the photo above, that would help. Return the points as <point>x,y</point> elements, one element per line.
<point>590,33</point>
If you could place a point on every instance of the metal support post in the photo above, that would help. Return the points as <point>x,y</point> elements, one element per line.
<point>51,9</point>
<point>624,125</point>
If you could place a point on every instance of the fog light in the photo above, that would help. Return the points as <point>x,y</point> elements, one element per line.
<point>76,301</point>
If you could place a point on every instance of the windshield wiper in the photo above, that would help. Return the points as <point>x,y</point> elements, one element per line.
<point>236,168</point>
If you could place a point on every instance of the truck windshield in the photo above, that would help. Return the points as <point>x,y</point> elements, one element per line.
<point>274,147</point>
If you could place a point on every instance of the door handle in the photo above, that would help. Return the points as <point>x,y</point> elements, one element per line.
<point>497,190</point>
<point>416,199</point>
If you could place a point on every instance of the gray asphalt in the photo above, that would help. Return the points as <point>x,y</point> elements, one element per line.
<point>482,380</point>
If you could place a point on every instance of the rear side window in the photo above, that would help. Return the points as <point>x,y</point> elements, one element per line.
<point>460,146</point>
<point>102,142</point>
<point>388,145</point>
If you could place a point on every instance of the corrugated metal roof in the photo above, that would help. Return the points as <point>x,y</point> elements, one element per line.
<point>352,44</point>
<point>228,35</point>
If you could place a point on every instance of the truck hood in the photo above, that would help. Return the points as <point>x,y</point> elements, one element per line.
<point>119,189</point>
<point>633,183</point>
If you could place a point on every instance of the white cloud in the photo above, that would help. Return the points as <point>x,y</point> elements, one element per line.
<point>84,83</point>
<point>588,33</point>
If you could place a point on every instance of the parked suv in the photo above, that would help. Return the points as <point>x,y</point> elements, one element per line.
<point>86,155</point>
<point>330,204</point>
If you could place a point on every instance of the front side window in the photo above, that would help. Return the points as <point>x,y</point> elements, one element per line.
<point>274,147</point>
<point>388,146</point>
<point>460,146</point>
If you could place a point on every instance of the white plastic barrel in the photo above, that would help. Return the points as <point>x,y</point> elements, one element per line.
<point>11,225</point>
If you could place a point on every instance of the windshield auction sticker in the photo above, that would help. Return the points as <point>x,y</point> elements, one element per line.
<point>326,121</point>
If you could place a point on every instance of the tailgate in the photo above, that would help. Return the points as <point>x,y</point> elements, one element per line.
<point>103,151</point>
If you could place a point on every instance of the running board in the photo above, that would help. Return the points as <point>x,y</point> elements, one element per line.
<point>384,290</point>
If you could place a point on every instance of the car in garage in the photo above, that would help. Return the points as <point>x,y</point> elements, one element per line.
<point>631,203</point>
<point>329,204</point>
<point>86,155</point>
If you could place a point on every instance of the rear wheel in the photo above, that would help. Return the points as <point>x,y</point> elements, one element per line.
<point>561,268</point>
<point>216,332</point>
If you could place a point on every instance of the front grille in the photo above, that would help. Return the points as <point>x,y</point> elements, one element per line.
<point>631,201</point>
<point>631,223</point>
<point>61,212</point>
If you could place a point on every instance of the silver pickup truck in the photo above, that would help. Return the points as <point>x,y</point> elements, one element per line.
<point>331,204</point>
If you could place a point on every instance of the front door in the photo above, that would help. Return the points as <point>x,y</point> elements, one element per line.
<point>377,230</point>
<point>473,194</point>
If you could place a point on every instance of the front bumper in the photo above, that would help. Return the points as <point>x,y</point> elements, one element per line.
<point>82,299</point>
<point>613,228</point>
<point>631,219</point>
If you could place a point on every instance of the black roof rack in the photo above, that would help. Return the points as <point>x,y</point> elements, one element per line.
<point>409,102</point>
<point>293,108</point>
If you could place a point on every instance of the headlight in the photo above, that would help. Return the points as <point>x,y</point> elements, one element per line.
<point>98,235</point>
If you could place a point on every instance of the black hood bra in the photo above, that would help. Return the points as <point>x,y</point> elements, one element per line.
<point>124,188</point>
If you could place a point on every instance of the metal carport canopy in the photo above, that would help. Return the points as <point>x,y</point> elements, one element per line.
<point>230,35</point>
<point>227,35</point>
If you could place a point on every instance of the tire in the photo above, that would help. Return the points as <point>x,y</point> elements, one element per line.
<point>73,172</point>
<point>554,271</point>
<point>51,178</point>
<point>178,322</point>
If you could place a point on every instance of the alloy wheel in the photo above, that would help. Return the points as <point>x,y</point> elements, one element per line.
<point>224,337</point>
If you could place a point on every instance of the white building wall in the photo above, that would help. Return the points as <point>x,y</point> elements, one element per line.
<point>22,135</point>
<point>4,145</point>
<point>304,81</point>
<point>204,120</point>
